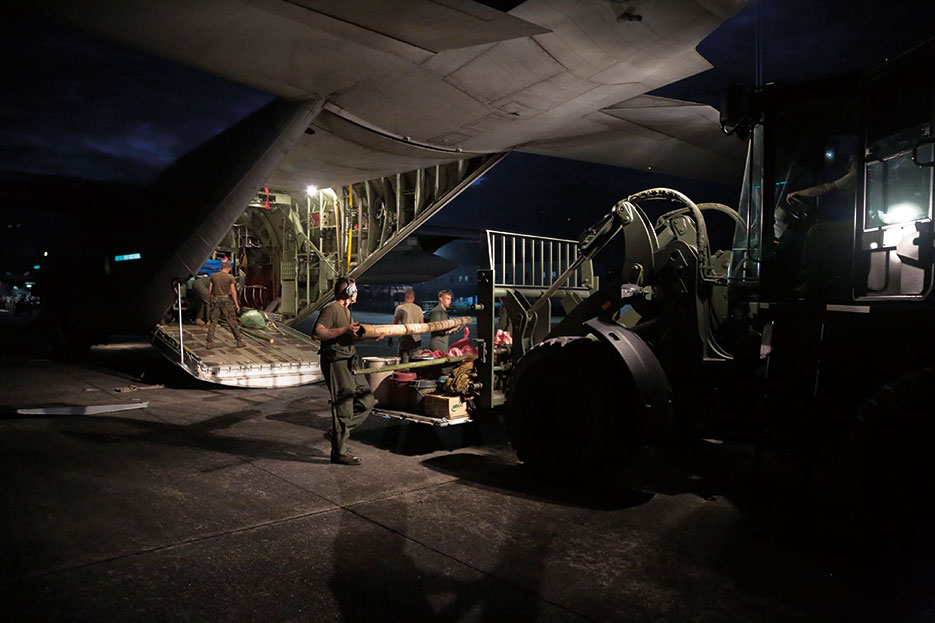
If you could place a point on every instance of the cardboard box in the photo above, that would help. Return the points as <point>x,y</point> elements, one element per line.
<point>450,407</point>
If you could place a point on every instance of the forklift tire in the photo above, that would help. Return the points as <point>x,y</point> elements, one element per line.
<point>572,410</point>
<point>886,456</point>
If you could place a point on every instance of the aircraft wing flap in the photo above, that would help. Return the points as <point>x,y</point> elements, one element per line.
<point>696,124</point>
<point>682,139</point>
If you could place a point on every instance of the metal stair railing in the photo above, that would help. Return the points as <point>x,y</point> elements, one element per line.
<point>531,264</point>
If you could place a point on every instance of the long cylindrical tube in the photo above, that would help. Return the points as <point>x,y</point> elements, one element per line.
<point>391,330</point>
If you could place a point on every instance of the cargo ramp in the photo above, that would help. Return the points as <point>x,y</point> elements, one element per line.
<point>276,356</point>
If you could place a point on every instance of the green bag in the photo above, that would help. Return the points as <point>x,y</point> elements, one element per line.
<point>253,319</point>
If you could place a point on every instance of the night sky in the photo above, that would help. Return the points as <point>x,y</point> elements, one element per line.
<point>79,106</point>
<point>805,40</point>
<point>557,197</point>
<point>560,198</point>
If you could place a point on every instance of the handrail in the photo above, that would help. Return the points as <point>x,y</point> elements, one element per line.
<point>547,257</point>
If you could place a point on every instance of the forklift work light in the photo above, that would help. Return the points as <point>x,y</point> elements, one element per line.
<point>901,213</point>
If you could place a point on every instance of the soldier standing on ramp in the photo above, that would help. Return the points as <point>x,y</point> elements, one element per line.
<point>223,303</point>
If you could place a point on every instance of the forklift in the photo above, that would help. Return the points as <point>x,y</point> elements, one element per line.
<point>814,331</point>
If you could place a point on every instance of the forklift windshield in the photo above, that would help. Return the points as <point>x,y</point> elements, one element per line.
<point>810,157</point>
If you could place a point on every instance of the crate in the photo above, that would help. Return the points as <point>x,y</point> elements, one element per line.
<point>451,407</point>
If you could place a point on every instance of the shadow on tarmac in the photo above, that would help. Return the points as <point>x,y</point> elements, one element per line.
<point>495,473</point>
<point>370,569</point>
<point>201,435</point>
<point>400,437</point>
<point>414,439</point>
<point>137,359</point>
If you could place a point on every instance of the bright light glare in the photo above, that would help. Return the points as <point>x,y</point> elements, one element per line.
<point>310,190</point>
<point>873,245</point>
<point>902,212</point>
<point>45,254</point>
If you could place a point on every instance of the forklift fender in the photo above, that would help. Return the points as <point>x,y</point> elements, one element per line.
<point>649,379</point>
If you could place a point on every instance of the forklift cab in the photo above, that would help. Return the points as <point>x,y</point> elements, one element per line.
<point>862,151</point>
<point>799,195</point>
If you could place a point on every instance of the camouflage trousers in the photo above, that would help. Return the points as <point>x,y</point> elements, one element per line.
<point>222,307</point>
<point>408,346</point>
<point>351,401</point>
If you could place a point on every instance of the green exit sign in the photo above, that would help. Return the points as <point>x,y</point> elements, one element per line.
<point>127,257</point>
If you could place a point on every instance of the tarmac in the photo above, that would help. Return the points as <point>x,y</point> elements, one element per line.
<point>220,504</point>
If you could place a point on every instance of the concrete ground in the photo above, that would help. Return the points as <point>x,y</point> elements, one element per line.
<point>220,504</point>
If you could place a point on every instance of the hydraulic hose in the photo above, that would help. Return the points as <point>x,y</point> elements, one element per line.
<point>718,207</point>
<point>704,245</point>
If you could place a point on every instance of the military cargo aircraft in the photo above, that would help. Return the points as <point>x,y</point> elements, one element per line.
<point>383,112</point>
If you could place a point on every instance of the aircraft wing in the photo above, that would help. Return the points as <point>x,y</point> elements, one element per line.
<point>413,83</point>
<point>655,133</point>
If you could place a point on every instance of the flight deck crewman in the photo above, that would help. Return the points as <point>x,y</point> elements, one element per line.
<point>223,303</point>
<point>351,400</point>
<point>408,313</point>
<point>439,313</point>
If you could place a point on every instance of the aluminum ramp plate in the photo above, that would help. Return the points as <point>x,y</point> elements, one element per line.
<point>277,356</point>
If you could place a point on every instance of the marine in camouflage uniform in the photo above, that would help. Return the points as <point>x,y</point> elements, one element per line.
<point>351,399</point>
<point>439,313</point>
<point>223,304</point>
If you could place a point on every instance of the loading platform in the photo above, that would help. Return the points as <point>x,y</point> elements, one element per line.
<point>276,356</point>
